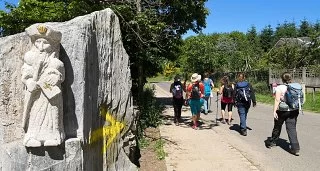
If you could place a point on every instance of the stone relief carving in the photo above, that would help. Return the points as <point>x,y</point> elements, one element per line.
<point>42,75</point>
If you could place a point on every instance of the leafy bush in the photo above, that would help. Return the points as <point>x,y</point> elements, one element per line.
<point>261,88</point>
<point>149,110</point>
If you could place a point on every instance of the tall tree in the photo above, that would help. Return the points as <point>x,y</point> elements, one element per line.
<point>286,30</point>
<point>266,38</point>
<point>305,29</point>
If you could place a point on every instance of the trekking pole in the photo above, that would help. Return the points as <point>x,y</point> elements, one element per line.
<point>217,108</point>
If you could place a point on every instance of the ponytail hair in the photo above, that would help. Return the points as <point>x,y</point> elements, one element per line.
<point>286,77</point>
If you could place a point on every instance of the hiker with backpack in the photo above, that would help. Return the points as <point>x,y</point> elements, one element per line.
<point>208,85</point>
<point>177,90</point>
<point>195,92</point>
<point>244,95</point>
<point>287,104</point>
<point>227,95</point>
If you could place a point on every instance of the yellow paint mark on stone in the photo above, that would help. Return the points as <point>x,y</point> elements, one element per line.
<point>108,132</point>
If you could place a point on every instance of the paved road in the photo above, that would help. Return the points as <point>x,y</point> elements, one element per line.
<point>260,120</point>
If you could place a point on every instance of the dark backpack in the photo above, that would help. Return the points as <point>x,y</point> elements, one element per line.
<point>195,91</point>
<point>227,91</point>
<point>294,96</point>
<point>243,93</point>
<point>207,87</point>
<point>177,91</point>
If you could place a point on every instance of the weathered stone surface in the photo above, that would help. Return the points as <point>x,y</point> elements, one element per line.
<point>97,76</point>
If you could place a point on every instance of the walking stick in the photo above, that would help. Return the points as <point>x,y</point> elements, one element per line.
<point>217,108</point>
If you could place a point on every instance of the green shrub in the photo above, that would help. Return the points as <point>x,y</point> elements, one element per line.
<point>261,88</point>
<point>150,110</point>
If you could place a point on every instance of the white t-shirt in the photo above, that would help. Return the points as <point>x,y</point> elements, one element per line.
<point>282,89</point>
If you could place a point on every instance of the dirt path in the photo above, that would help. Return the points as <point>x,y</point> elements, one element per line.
<point>199,150</point>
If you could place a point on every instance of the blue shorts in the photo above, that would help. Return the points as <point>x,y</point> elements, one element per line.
<point>195,105</point>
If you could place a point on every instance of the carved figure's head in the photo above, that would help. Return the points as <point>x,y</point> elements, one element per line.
<point>43,36</point>
<point>43,45</point>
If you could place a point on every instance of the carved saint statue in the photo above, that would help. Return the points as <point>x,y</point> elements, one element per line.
<point>42,75</point>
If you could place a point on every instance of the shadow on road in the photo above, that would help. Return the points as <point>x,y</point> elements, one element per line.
<point>236,127</point>
<point>164,100</point>
<point>186,122</point>
<point>282,143</point>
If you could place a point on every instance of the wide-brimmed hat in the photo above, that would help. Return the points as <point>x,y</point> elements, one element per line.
<point>195,77</point>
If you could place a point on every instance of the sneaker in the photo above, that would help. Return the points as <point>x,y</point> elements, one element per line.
<point>295,152</point>
<point>195,127</point>
<point>271,144</point>
<point>223,121</point>
<point>243,132</point>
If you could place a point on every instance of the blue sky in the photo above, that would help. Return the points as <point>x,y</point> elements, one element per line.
<point>240,15</point>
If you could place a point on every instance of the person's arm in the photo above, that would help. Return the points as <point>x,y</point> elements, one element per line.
<point>253,96</point>
<point>234,96</point>
<point>184,86</point>
<point>221,89</point>
<point>212,85</point>
<point>276,104</point>
<point>187,91</point>
<point>171,87</point>
<point>201,85</point>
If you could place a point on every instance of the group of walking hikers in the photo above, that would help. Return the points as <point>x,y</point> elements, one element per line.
<point>288,100</point>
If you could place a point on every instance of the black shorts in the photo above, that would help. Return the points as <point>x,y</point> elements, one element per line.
<point>223,106</point>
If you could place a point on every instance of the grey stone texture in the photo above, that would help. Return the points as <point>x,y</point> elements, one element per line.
<point>97,74</point>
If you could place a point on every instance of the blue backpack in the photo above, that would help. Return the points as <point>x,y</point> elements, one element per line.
<point>207,87</point>
<point>243,93</point>
<point>294,96</point>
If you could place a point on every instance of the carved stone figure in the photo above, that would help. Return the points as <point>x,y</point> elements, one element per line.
<point>42,75</point>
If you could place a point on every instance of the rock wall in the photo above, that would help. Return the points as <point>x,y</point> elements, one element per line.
<point>97,103</point>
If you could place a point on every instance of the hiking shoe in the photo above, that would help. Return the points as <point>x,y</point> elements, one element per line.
<point>271,144</point>
<point>295,152</point>
<point>243,132</point>
<point>195,127</point>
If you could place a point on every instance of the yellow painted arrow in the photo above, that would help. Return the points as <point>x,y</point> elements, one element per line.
<point>108,132</point>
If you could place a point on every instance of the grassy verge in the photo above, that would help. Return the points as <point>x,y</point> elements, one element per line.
<point>158,78</point>
<point>312,101</point>
<point>159,149</point>
<point>143,143</point>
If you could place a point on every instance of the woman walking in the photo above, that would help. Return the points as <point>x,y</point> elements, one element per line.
<point>227,93</point>
<point>243,98</point>
<point>195,92</point>
<point>282,114</point>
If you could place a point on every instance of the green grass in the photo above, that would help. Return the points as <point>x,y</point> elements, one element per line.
<point>158,147</point>
<point>311,104</point>
<point>143,143</point>
<point>262,98</point>
<point>158,78</point>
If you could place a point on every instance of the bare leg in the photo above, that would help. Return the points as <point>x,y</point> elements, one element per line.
<point>230,116</point>
<point>222,115</point>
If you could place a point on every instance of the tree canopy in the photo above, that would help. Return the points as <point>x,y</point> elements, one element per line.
<point>151,29</point>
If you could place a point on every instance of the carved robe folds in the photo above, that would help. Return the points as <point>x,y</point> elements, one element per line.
<point>42,74</point>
